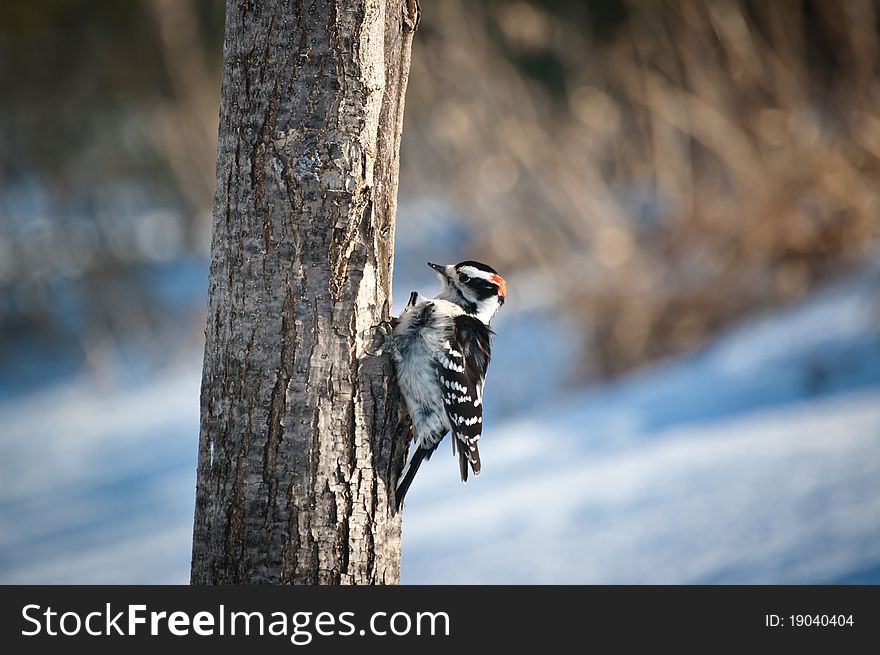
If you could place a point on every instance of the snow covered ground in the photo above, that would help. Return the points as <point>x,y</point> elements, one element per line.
<point>97,485</point>
<point>788,495</point>
<point>754,460</point>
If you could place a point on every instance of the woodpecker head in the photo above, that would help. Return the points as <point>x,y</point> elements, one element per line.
<point>477,288</point>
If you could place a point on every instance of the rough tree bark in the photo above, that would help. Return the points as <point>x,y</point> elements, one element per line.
<point>297,442</point>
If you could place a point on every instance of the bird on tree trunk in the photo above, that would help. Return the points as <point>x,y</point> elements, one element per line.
<point>441,350</point>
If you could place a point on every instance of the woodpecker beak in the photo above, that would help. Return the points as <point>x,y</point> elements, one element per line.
<point>437,267</point>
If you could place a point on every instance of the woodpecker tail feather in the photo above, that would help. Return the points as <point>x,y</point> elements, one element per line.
<point>467,455</point>
<point>462,463</point>
<point>408,474</point>
<point>474,458</point>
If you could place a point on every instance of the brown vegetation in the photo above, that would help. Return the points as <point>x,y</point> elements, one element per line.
<point>703,160</point>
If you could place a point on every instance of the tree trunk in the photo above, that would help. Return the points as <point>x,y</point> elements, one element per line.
<point>297,443</point>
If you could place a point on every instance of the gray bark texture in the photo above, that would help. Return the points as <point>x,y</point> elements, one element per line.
<point>300,436</point>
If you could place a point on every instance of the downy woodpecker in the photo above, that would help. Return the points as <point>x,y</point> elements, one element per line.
<point>441,349</point>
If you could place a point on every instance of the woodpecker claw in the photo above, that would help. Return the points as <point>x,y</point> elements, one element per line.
<point>381,339</point>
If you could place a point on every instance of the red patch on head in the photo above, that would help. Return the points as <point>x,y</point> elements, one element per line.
<point>502,285</point>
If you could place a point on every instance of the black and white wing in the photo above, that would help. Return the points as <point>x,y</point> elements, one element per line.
<point>461,365</point>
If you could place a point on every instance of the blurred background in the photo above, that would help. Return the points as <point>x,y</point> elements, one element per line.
<point>683,197</point>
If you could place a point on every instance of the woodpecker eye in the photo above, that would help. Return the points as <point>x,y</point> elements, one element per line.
<point>464,279</point>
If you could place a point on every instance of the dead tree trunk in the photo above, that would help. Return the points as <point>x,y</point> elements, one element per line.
<point>296,446</point>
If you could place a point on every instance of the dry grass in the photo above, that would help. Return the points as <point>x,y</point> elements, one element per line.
<point>708,160</point>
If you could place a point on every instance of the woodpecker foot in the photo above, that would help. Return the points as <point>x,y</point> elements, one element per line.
<point>381,340</point>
